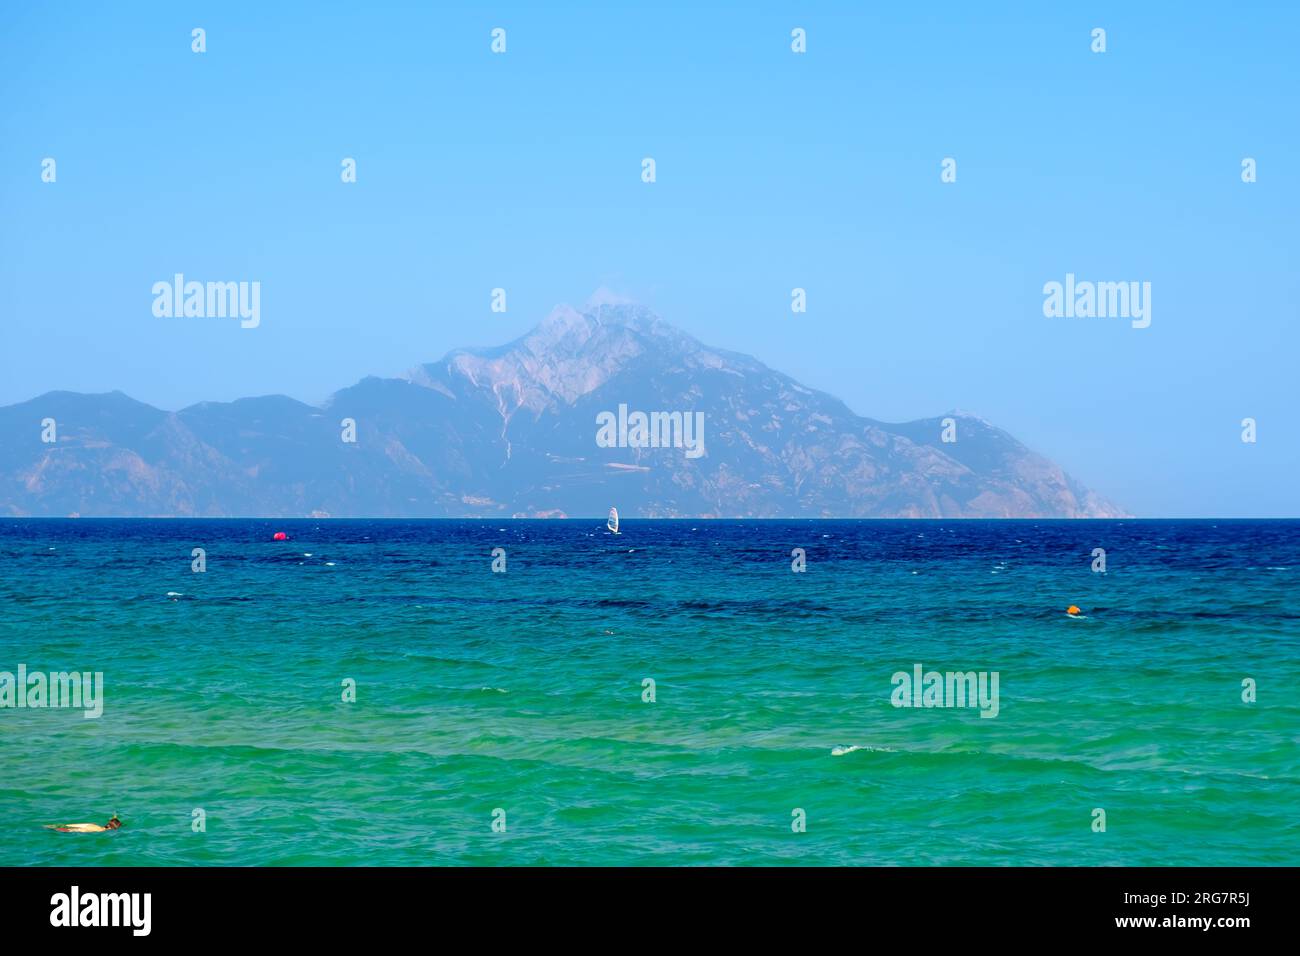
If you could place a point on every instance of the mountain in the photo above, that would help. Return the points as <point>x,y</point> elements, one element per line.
<point>512,431</point>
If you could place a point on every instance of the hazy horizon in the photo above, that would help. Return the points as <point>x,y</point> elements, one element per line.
<point>775,171</point>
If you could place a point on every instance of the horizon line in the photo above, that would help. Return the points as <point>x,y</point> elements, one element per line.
<point>623,518</point>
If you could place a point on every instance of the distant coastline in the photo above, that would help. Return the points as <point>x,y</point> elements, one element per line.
<point>529,429</point>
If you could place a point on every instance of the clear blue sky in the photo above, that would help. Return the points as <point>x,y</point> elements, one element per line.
<point>774,170</point>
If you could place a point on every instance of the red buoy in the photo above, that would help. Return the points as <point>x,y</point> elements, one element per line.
<point>281,536</point>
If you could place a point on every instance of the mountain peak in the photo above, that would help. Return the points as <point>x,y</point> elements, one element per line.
<point>606,296</point>
<point>567,355</point>
<point>563,318</point>
<point>603,310</point>
<point>514,430</point>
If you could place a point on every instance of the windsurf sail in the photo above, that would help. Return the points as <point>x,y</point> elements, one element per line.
<point>612,523</point>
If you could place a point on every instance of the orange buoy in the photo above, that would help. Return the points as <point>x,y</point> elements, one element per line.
<point>1073,609</point>
<point>281,536</point>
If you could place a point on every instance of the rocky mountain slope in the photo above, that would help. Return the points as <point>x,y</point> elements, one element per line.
<point>513,431</point>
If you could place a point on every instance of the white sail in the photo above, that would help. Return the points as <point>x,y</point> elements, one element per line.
<point>612,523</point>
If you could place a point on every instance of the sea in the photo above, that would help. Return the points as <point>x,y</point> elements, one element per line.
<point>683,693</point>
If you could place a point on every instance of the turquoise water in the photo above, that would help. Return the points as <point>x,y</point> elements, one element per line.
<point>523,691</point>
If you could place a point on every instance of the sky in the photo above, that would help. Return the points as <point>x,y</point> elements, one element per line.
<point>774,170</point>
